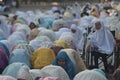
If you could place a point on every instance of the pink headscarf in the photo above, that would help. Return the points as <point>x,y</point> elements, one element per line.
<point>50,78</point>
<point>6,78</point>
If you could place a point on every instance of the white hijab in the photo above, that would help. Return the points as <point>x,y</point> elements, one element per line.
<point>68,38</point>
<point>38,73</point>
<point>56,71</point>
<point>61,30</point>
<point>4,26</point>
<point>24,73</point>
<point>103,39</point>
<point>89,75</point>
<point>78,36</point>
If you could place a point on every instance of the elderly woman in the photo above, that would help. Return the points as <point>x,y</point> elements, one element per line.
<point>102,42</point>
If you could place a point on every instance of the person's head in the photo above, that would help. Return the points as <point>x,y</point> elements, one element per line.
<point>73,28</point>
<point>98,25</point>
<point>32,25</point>
<point>37,78</point>
<point>15,17</point>
<point>56,49</point>
<point>61,62</point>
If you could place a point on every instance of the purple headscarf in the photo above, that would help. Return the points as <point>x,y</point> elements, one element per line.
<point>3,59</point>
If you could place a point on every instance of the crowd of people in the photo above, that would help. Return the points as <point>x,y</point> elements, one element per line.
<point>64,43</point>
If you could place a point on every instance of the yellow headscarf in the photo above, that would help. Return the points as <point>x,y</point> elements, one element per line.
<point>42,57</point>
<point>61,43</point>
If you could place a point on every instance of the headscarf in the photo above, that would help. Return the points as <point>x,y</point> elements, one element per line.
<point>20,34</point>
<point>68,38</point>
<point>76,59</point>
<point>69,67</point>
<point>43,38</point>
<point>7,78</point>
<point>103,39</point>
<point>12,69</point>
<point>35,44</point>
<point>89,75</point>
<point>20,55</point>
<point>57,24</point>
<point>2,35</point>
<point>3,59</point>
<point>45,41</point>
<point>33,34</point>
<point>36,73</point>
<point>27,47</point>
<point>43,21</point>
<point>24,73</point>
<point>7,44</point>
<point>3,26</point>
<point>42,57</point>
<point>14,27</point>
<point>49,33</point>
<point>56,71</point>
<point>56,49</point>
<point>61,43</point>
<point>17,38</point>
<point>50,78</point>
<point>46,44</point>
<point>60,31</point>
<point>5,48</point>
<point>78,36</point>
<point>24,29</point>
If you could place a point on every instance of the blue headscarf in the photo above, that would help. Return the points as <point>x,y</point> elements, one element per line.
<point>12,69</point>
<point>20,55</point>
<point>69,66</point>
<point>5,47</point>
<point>2,38</point>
